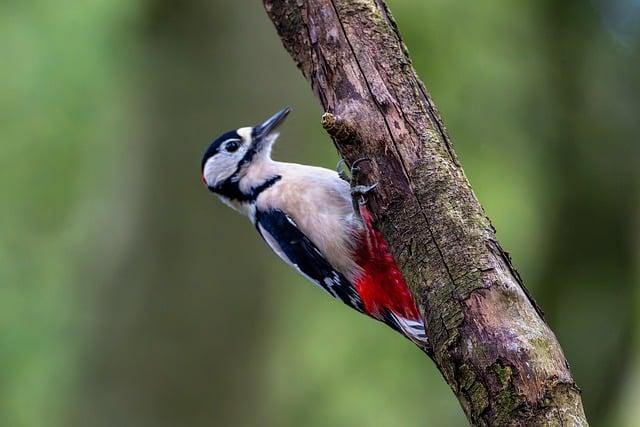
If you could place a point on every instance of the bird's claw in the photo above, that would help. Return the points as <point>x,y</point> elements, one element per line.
<point>361,191</point>
<point>354,167</point>
<point>358,191</point>
<point>353,170</point>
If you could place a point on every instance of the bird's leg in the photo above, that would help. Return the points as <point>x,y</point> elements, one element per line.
<point>359,191</point>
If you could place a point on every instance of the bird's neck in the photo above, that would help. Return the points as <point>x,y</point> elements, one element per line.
<point>241,192</point>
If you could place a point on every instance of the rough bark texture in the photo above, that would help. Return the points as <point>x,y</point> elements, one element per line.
<point>488,336</point>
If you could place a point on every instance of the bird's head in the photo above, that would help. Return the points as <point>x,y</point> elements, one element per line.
<point>232,154</point>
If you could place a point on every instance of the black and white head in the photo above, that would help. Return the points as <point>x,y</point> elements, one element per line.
<point>230,157</point>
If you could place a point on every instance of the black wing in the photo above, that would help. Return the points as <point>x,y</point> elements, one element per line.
<point>283,236</point>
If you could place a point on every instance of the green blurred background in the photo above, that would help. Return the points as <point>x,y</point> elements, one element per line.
<point>130,296</point>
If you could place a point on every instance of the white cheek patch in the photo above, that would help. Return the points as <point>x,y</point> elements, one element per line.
<point>222,165</point>
<point>218,168</point>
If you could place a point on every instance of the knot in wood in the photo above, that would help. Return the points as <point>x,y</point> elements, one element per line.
<point>338,129</point>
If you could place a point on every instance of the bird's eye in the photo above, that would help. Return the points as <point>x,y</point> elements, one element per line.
<point>231,146</point>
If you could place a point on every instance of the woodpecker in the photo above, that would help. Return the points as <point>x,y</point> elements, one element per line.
<point>306,216</point>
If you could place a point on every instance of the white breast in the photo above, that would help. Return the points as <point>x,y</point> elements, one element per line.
<point>319,202</point>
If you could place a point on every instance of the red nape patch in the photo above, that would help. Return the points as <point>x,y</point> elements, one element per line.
<point>382,285</point>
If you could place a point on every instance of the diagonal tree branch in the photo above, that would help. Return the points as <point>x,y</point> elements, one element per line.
<point>488,336</point>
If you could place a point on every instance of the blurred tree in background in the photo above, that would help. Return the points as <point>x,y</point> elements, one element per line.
<point>130,296</point>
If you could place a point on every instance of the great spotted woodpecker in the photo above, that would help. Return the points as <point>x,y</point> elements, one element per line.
<point>306,215</point>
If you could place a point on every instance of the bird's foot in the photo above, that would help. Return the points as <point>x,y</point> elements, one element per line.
<point>352,175</point>
<point>358,198</point>
<point>359,191</point>
<point>355,169</point>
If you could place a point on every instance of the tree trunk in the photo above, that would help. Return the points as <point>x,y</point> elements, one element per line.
<point>487,335</point>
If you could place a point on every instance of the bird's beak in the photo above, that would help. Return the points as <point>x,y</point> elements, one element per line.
<point>271,124</point>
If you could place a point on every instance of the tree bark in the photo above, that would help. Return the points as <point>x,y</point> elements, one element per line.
<point>487,335</point>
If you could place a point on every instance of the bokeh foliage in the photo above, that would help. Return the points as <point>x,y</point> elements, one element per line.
<point>130,296</point>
